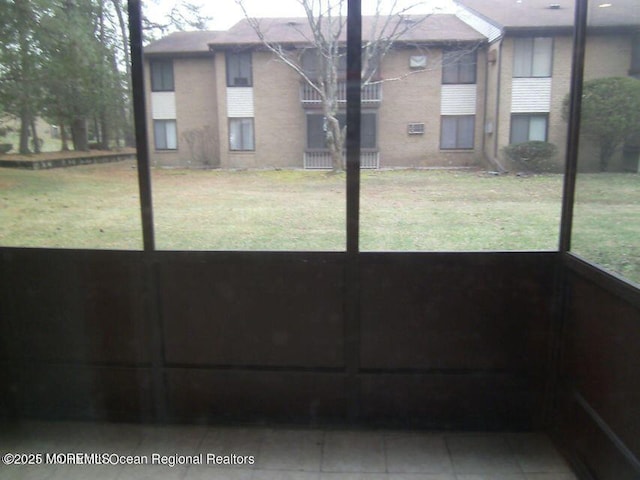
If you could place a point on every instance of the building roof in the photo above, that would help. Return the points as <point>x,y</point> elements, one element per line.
<point>183,42</point>
<point>514,14</point>
<point>432,28</point>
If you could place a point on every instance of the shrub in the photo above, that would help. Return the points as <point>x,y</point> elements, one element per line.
<point>5,147</point>
<point>534,156</point>
<point>610,114</point>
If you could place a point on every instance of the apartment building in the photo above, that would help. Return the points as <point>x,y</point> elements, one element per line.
<point>529,66</point>
<point>453,90</point>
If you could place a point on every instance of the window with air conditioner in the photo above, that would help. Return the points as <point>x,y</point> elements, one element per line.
<point>239,69</point>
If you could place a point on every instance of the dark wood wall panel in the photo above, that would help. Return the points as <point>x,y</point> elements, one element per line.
<point>601,365</point>
<point>203,395</point>
<point>8,402</point>
<point>446,340</point>
<point>82,392</point>
<point>451,401</point>
<point>266,310</point>
<point>456,311</point>
<point>592,451</point>
<point>74,306</point>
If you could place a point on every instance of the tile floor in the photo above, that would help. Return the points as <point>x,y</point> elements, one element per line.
<point>281,453</point>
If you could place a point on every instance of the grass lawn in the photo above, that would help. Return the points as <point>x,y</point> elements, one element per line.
<point>96,206</point>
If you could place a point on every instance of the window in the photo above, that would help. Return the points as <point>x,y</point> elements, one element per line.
<point>241,134</point>
<point>162,76</point>
<point>634,71</point>
<point>166,137</point>
<point>368,135</point>
<point>317,127</point>
<point>532,57</point>
<point>310,63</point>
<point>525,128</point>
<point>239,69</point>
<point>457,132</point>
<point>459,66</point>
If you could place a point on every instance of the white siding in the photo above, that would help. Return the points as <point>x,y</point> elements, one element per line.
<point>531,95</point>
<point>163,105</point>
<point>458,99</point>
<point>240,102</point>
<point>481,25</point>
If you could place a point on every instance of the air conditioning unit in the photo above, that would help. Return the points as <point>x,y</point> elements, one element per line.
<point>415,129</point>
<point>417,61</point>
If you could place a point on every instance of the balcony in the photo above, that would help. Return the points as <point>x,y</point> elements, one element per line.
<point>321,159</point>
<point>371,94</point>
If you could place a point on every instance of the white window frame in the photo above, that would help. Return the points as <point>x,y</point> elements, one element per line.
<point>532,57</point>
<point>529,117</point>
<point>239,145</point>
<point>458,141</point>
<point>164,143</point>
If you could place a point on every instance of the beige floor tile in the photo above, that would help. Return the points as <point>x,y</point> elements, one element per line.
<point>416,453</point>
<point>217,473</point>
<point>354,476</point>
<point>42,437</point>
<point>242,442</point>
<point>421,476</point>
<point>507,476</point>
<point>118,438</point>
<point>152,472</point>
<point>536,454</point>
<point>86,472</point>
<point>172,440</point>
<point>291,450</point>
<point>284,475</point>
<point>353,451</point>
<point>27,472</point>
<point>285,454</point>
<point>551,476</point>
<point>481,454</point>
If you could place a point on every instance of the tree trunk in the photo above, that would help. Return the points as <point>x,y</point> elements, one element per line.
<point>25,121</point>
<point>126,110</point>
<point>63,138</point>
<point>79,134</point>
<point>36,140</point>
<point>104,135</point>
<point>606,152</point>
<point>23,9</point>
<point>335,143</point>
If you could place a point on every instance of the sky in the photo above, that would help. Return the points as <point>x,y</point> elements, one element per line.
<point>226,13</point>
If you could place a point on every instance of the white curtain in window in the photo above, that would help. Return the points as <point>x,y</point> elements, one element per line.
<point>541,66</point>
<point>538,128</point>
<point>172,135</point>
<point>241,134</point>
<point>523,52</point>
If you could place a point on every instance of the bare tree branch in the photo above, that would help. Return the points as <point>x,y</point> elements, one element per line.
<point>323,35</point>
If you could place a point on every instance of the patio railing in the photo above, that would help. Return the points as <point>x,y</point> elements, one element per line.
<point>321,160</point>
<point>370,94</point>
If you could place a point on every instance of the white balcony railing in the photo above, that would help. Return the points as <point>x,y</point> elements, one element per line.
<point>369,94</point>
<point>321,160</point>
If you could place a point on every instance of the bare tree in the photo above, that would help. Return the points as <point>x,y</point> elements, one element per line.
<point>319,64</point>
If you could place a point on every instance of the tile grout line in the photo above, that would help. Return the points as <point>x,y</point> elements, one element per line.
<point>510,446</point>
<point>384,452</point>
<point>322,445</point>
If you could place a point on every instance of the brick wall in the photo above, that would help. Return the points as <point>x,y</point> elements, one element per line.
<point>196,115</point>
